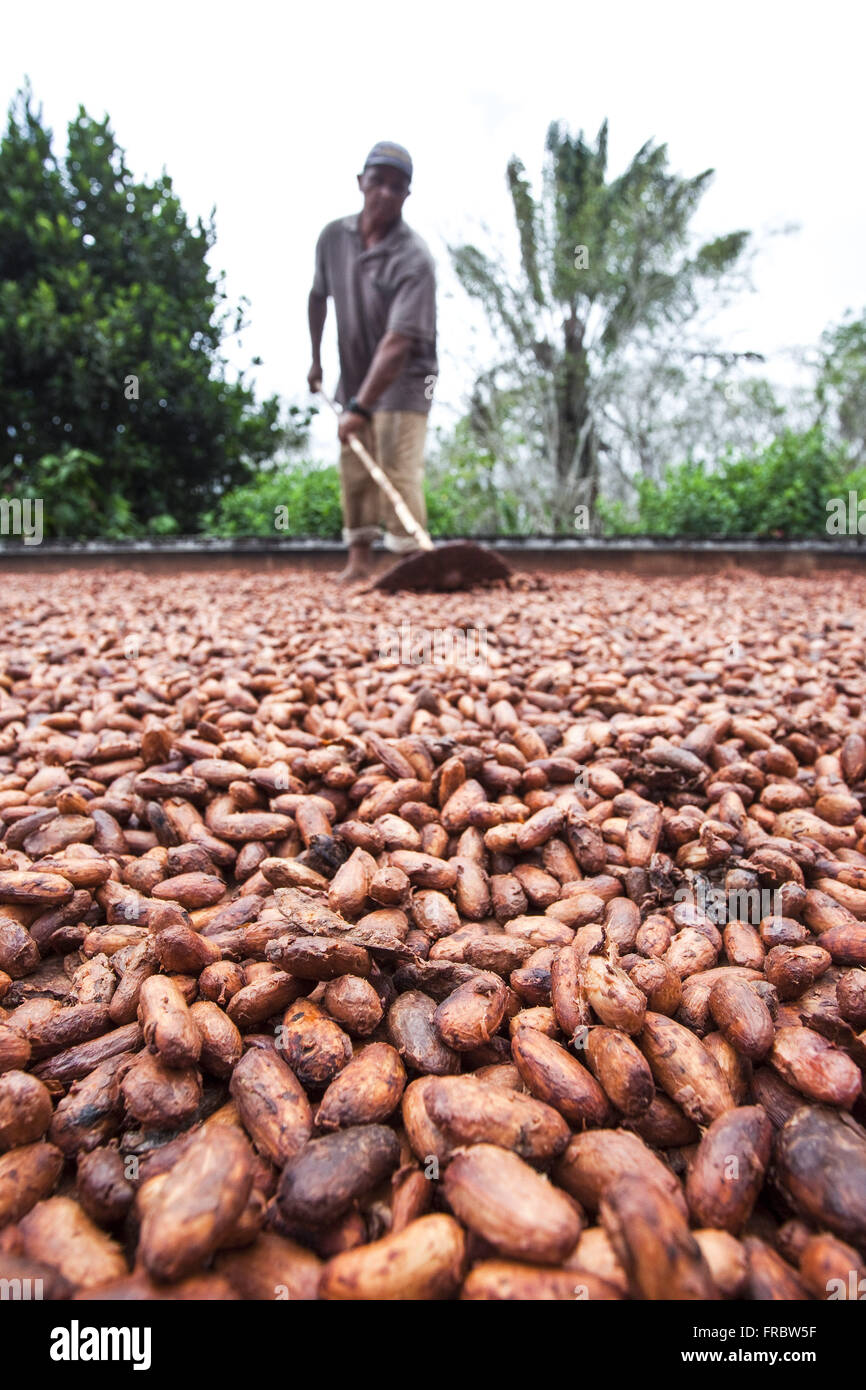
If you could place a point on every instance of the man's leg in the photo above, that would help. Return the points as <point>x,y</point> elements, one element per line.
<point>400,436</point>
<point>360,510</point>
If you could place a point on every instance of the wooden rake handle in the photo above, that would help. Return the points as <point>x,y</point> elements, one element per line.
<point>381,478</point>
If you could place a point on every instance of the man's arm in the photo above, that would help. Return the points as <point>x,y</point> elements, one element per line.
<point>317,312</point>
<point>388,362</point>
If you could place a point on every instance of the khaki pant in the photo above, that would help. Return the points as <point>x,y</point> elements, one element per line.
<point>395,438</point>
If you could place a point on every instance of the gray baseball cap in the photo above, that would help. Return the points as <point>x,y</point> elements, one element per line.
<point>386,152</point>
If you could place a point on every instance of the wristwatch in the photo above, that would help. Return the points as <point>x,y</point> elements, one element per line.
<point>355,406</point>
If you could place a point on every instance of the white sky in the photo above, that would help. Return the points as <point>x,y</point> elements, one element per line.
<point>267,110</point>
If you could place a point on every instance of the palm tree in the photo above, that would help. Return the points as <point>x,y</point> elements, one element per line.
<point>601,264</point>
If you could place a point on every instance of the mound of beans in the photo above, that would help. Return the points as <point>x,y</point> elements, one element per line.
<point>331,969</point>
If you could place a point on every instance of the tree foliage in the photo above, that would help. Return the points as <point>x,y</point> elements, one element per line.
<point>111,325</point>
<point>468,492</point>
<point>841,383</point>
<point>602,262</point>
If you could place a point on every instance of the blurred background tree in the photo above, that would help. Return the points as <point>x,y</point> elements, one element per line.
<point>841,383</point>
<point>604,264</point>
<point>111,324</point>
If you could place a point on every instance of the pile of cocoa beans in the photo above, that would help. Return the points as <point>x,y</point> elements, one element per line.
<point>329,974</point>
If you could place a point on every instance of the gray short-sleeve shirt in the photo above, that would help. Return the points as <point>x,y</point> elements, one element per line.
<point>389,288</point>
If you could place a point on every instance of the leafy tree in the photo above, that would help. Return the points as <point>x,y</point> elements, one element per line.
<point>74,503</point>
<point>111,325</point>
<point>841,382</point>
<point>468,492</point>
<point>603,263</point>
<point>668,402</point>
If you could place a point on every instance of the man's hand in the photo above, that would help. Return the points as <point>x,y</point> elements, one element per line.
<point>314,377</point>
<point>350,423</point>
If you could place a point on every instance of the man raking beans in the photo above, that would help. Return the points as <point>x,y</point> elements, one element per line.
<point>381,277</point>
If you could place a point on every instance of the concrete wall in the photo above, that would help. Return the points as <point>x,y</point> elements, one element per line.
<point>635,556</point>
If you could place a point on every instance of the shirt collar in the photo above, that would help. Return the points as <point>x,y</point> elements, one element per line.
<point>353,222</point>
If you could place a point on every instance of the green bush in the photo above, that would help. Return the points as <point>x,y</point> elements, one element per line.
<point>304,500</point>
<point>462,497</point>
<point>780,492</point>
<point>74,504</point>
<point>163,526</point>
<point>300,501</point>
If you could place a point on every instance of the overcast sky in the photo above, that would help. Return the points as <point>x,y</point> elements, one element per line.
<point>267,111</point>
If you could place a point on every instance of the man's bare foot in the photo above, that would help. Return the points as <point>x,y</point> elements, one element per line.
<point>359,566</point>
